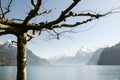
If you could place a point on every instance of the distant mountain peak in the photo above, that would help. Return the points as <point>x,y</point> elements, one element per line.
<point>9,44</point>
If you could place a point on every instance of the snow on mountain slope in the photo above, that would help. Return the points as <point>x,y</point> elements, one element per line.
<point>82,56</point>
<point>8,52</point>
<point>10,45</point>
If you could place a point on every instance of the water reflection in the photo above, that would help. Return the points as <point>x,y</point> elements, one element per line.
<point>71,72</point>
<point>7,73</point>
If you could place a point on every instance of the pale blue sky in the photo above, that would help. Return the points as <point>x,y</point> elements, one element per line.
<point>105,31</point>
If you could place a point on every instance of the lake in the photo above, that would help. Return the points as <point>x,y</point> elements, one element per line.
<point>60,72</point>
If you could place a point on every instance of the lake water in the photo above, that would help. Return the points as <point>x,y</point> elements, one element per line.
<point>68,72</point>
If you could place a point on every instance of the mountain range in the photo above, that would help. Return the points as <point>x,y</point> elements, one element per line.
<point>8,52</point>
<point>101,56</point>
<point>89,56</point>
<point>81,57</point>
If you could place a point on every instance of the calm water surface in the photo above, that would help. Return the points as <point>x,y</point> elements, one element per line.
<point>68,72</point>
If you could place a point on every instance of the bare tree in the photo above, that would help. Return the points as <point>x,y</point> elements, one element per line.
<point>21,28</point>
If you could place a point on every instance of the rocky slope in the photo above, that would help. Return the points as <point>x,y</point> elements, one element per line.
<point>110,56</point>
<point>8,55</point>
<point>95,57</point>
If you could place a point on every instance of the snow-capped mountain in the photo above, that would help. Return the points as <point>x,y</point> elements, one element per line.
<point>10,45</point>
<point>81,57</point>
<point>8,52</point>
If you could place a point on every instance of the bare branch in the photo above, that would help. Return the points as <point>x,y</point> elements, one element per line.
<point>45,12</point>
<point>53,25</point>
<point>5,32</point>
<point>33,12</point>
<point>7,29</point>
<point>67,31</point>
<point>84,14</point>
<point>31,35</point>
<point>3,13</point>
<point>3,27</point>
<point>93,17</point>
<point>33,3</point>
<point>73,25</point>
<point>70,7</point>
<point>49,25</point>
<point>50,33</point>
<point>9,23</point>
<point>57,34</point>
<point>17,20</point>
<point>62,16</point>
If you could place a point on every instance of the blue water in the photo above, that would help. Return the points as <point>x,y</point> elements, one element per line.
<point>68,72</point>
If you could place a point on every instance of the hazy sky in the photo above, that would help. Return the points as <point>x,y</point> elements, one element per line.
<point>104,31</point>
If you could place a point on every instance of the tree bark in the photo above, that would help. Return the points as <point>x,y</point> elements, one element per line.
<point>21,57</point>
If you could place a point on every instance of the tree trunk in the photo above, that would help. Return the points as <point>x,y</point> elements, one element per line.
<point>21,57</point>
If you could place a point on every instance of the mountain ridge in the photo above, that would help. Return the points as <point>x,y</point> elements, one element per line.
<point>95,57</point>
<point>82,56</point>
<point>8,53</point>
<point>110,56</point>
